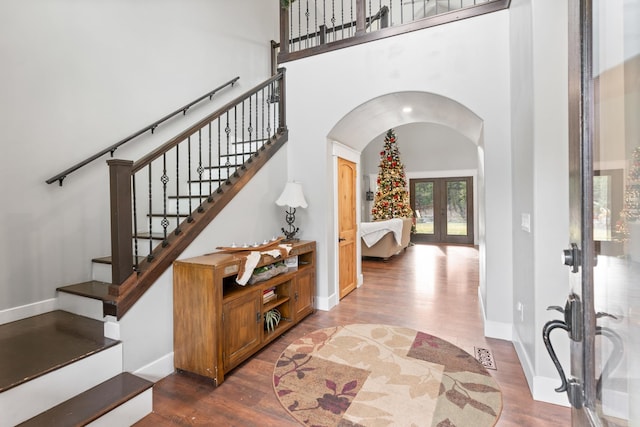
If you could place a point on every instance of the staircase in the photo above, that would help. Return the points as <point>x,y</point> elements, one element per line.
<point>65,368</point>
<point>58,369</point>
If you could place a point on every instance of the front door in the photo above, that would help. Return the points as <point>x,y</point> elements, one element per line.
<point>347,226</point>
<point>443,208</point>
<point>602,314</point>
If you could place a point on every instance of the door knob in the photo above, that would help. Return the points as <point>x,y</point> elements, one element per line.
<point>341,239</point>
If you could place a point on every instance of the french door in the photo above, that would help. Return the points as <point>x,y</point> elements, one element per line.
<point>602,313</point>
<point>443,208</point>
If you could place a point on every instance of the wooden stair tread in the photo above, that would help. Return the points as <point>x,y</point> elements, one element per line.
<point>40,344</point>
<point>152,236</point>
<point>93,403</point>
<point>109,260</point>
<point>193,196</point>
<point>92,289</point>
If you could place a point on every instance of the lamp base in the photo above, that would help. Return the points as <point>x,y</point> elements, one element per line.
<point>290,218</point>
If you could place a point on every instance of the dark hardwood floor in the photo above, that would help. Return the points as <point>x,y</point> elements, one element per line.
<point>429,288</point>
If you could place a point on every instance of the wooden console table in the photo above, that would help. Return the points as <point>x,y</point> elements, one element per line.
<point>217,324</point>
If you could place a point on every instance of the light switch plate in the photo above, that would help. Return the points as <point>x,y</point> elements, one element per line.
<point>525,222</point>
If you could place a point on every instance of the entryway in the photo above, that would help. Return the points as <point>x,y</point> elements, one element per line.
<point>443,208</point>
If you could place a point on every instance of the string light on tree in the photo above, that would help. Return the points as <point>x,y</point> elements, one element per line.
<point>392,197</point>
<point>631,208</point>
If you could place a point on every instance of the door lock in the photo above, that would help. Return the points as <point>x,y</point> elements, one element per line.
<point>571,257</point>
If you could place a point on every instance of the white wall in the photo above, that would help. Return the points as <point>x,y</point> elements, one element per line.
<point>468,62</point>
<point>540,171</point>
<point>76,77</point>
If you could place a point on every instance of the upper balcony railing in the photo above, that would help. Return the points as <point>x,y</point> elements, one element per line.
<point>309,27</point>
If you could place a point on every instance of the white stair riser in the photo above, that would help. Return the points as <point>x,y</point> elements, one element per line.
<point>101,272</point>
<point>82,306</point>
<point>33,397</point>
<point>128,413</point>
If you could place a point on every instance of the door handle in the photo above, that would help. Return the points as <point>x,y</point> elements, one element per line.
<point>546,331</point>
<point>341,239</point>
<point>572,323</point>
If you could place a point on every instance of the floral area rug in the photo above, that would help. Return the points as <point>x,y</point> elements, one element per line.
<point>379,375</point>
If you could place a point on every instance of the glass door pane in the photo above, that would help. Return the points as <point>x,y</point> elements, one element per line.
<point>616,140</point>
<point>423,207</point>
<point>457,208</point>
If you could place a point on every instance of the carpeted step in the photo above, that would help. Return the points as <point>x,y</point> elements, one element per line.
<point>97,402</point>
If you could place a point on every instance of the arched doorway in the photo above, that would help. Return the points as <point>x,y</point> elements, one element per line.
<point>370,119</point>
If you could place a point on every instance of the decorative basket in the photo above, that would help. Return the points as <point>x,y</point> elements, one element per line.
<point>271,271</point>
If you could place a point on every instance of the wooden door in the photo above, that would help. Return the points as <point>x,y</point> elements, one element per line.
<point>347,227</point>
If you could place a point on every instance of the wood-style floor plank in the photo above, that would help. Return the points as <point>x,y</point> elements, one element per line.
<point>429,288</point>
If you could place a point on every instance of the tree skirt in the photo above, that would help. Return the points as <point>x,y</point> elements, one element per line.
<point>379,375</point>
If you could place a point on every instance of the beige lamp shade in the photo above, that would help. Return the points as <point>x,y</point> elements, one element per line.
<point>292,196</point>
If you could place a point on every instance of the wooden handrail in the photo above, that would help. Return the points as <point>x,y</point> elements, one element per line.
<point>144,161</point>
<point>111,149</point>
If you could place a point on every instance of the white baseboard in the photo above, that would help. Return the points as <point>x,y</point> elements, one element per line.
<point>542,388</point>
<point>525,361</point>
<point>157,369</point>
<point>544,391</point>
<point>326,303</point>
<point>493,329</point>
<point>499,330</point>
<point>28,310</point>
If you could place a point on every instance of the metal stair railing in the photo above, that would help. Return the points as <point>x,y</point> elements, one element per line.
<point>309,27</point>
<point>154,198</point>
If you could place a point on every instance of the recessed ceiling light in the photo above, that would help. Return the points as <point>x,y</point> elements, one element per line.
<point>407,109</point>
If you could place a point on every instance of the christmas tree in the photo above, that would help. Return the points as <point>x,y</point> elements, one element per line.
<point>631,208</point>
<point>392,198</point>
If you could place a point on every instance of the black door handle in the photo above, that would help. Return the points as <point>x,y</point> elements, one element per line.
<point>341,239</point>
<point>546,330</point>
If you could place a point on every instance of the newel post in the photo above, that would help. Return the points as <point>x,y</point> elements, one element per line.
<point>282,105</point>
<point>121,214</point>
<point>284,29</point>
